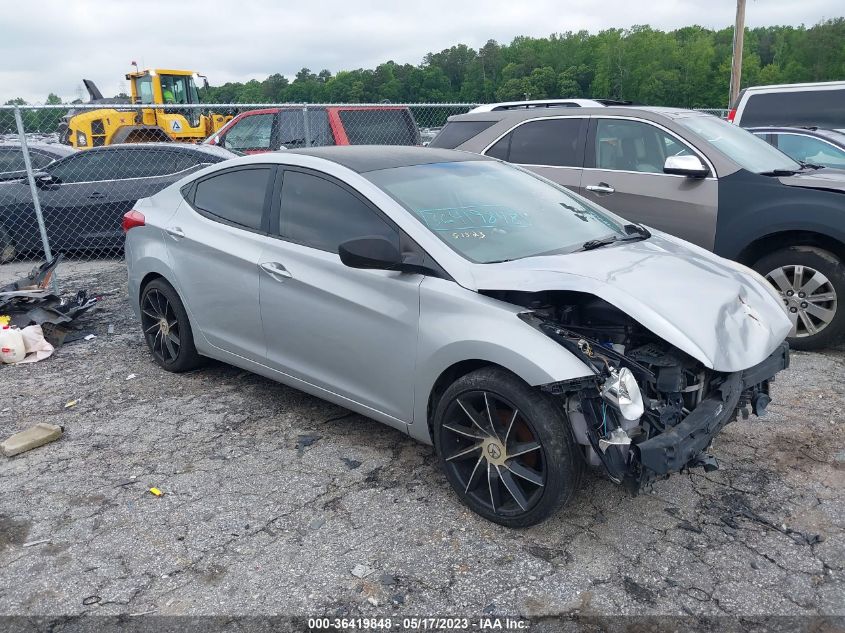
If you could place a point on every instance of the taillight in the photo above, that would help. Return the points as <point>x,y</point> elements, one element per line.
<point>731,114</point>
<point>132,219</point>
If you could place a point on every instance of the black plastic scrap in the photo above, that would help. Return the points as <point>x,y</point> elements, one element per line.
<point>29,301</point>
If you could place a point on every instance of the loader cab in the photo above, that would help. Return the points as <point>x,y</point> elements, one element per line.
<point>166,87</point>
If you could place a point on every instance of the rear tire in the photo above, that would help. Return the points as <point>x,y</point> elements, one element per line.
<point>167,329</point>
<point>811,282</point>
<point>520,469</point>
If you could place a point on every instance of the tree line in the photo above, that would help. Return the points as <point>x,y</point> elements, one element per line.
<point>687,67</point>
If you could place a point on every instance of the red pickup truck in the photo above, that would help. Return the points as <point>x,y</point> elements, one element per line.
<point>269,129</point>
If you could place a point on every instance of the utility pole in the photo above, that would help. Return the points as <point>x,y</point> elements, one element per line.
<point>739,36</point>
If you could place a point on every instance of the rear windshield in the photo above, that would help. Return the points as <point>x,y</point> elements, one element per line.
<point>820,108</point>
<point>380,127</point>
<point>458,132</point>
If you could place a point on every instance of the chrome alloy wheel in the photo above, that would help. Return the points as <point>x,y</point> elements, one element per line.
<point>493,452</point>
<point>161,327</point>
<point>809,297</point>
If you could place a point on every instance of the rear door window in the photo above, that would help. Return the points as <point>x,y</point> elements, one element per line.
<point>800,108</point>
<point>457,133</point>
<point>319,213</point>
<point>552,142</point>
<point>88,166</point>
<point>380,127</point>
<point>309,128</point>
<point>11,159</point>
<point>236,196</point>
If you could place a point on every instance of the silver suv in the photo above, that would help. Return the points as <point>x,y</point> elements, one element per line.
<point>697,177</point>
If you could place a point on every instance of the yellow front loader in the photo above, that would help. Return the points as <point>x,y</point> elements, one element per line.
<point>111,124</point>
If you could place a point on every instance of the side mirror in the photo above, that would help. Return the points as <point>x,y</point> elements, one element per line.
<point>374,253</point>
<point>688,165</point>
<point>43,180</point>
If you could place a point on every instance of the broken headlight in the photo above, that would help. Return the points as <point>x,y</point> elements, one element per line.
<point>622,391</point>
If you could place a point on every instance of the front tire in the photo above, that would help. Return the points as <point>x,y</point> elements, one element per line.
<point>167,329</point>
<point>506,448</point>
<point>811,282</point>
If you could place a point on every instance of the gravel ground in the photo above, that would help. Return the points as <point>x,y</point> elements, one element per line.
<point>272,498</point>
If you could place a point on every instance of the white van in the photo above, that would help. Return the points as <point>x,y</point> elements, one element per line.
<point>798,105</point>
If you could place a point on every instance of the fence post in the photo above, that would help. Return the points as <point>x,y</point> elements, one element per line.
<point>307,127</point>
<point>30,176</point>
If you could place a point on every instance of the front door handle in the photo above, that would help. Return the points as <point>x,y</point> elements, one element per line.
<point>97,196</point>
<point>601,188</point>
<point>175,232</point>
<point>276,270</point>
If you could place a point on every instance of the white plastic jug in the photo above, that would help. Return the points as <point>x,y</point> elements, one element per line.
<point>11,345</point>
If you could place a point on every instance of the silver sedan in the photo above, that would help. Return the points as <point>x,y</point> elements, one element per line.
<point>521,329</point>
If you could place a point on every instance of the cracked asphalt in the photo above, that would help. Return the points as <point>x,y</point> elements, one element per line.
<point>272,497</point>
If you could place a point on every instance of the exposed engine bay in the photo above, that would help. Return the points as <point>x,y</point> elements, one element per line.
<point>649,409</point>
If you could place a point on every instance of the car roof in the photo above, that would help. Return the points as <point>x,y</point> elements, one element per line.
<point>56,149</point>
<point>790,87</point>
<point>364,158</point>
<point>539,113</point>
<point>178,147</point>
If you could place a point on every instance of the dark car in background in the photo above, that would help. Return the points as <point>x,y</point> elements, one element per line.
<point>695,176</point>
<point>40,155</point>
<point>85,195</point>
<point>270,129</point>
<point>806,144</point>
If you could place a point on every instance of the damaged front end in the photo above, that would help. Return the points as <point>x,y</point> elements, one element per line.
<point>649,409</point>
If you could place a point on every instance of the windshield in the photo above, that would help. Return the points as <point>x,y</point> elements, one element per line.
<point>489,212</point>
<point>179,89</point>
<point>745,149</point>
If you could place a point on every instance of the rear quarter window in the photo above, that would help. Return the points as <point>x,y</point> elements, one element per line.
<point>236,196</point>
<point>456,133</point>
<point>821,108</point>
<point>380,127</point>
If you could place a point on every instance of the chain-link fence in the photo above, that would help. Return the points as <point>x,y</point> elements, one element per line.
<point>68,173</point>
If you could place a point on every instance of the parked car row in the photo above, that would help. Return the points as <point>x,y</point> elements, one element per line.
<point>694,176</point>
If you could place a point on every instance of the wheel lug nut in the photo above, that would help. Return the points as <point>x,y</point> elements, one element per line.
<point>789,293</point>
<point>803,304</point>
<point>802,294</point>
<point>793,310</point>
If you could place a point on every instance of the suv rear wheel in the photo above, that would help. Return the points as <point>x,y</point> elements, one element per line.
<point>811,282</point>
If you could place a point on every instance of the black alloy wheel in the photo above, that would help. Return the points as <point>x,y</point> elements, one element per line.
<point>506,448</point>
<point>166,328</point>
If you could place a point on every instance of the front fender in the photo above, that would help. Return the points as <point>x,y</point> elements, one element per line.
<point>753,206</point>
<point>458,325</point>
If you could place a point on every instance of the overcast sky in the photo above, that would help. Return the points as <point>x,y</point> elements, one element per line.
<point>50,45</point>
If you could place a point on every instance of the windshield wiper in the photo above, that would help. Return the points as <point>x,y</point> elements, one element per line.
<point>812,166</point>
<point>779,172</point>
<point>635,233</point>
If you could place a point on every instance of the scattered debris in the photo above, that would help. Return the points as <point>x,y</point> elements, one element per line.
<point>372,601</point>
<point>35,345</point>
<point>387,580</point>
<point>30,301</point>
<point>71,404</point>
<point>111,328</point>
<point>131,377</point>
<point>839,460</point>
<point>33,437</point>
<point>90,337</point>
<point>362,571</point>
<point>317,523</point>
<point>156,492</point>
<point>91,600</point>
<point>351,463</point>
<point>34,543</point>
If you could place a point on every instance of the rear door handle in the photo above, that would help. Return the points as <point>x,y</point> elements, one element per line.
<point>602,187</point>
<point>175,232</point>
<point>96,195</point>
<point>276,270</point>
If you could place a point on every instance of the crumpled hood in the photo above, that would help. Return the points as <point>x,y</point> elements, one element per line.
<point>827,178</point>
<point>714,310</point>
